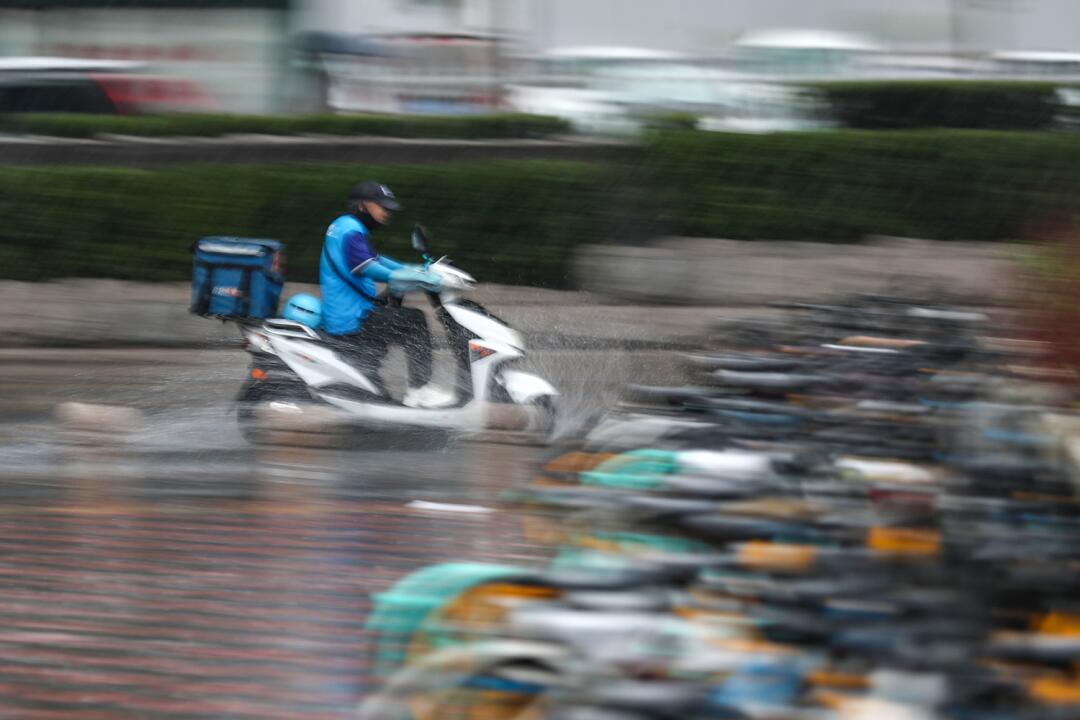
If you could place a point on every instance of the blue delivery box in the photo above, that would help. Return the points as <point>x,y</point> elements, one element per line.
<point>237,278</point>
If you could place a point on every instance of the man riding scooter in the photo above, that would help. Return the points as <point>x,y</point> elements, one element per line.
<point>353,309</point>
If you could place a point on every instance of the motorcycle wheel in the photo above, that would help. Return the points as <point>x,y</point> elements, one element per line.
<point>249,399</point>
<point>547,418</point>
<point>246,403</point>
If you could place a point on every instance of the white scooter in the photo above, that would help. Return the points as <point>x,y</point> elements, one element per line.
<point>293,364</point>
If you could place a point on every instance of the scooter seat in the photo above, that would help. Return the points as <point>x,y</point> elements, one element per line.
<point>722,487</point>
<point>770,381</point>
<point>619,601</point>
<point>656,698</point>
<point>673,396</point>
<point>661,505</point>
<point>591,580</point>
<point>727,528</point>
<point>745,363</point>
<point>584,712</point>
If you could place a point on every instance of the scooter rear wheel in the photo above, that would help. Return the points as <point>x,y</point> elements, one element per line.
<point>253,394</point>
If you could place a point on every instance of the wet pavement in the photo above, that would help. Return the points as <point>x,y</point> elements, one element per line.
<point>182,574</point>
<point>232,608</point>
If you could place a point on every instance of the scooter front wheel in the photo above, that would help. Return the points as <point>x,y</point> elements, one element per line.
<point>547,416</point>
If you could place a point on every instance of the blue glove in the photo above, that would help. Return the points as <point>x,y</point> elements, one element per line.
<point>414,277</point>
<point>379,268</point>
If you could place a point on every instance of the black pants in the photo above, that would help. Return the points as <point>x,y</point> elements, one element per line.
<point>385,326</point>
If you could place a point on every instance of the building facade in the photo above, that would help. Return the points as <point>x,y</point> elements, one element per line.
<point>232,48</point>
<point>710,26</point>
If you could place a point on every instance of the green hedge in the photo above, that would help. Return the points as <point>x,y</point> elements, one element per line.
<point>844,185</point>
<point>198,125</point>
<point>519,222</point>
<point>507,222</point>
<point>973,104</point>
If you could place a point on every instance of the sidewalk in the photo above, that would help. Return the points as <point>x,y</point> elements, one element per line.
<point>665,295</point>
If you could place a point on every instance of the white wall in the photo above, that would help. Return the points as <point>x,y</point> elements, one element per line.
<point>377,16</point>
<point>235,54</point>
<point>1024,24</point>
<point>707,26</point>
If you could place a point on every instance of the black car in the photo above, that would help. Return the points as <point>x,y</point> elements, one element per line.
<point>96,91</point>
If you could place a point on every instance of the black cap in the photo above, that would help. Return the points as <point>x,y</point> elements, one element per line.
<point>372,191</point>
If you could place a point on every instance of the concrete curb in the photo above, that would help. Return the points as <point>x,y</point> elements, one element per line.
<point>732,272</point>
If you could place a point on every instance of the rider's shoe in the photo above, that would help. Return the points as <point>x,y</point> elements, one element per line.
<point>430,396</point>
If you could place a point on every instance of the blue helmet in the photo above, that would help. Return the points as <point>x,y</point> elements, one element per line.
<point>305,309</point>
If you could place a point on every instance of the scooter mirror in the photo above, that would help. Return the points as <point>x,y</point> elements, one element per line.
<point>419,240</point>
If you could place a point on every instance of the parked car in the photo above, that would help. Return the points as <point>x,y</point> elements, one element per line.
<point>33,85</point>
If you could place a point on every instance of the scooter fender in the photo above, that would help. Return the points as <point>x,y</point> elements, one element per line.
<point>524,388</point>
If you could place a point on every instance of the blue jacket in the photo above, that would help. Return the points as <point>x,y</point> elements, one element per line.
<point>348,271</point>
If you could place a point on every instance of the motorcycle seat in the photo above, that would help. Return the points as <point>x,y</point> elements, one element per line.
<point>656,698</point>
<point>619,601</point>
<point>770,381</point>
<point>745,363</point>
<point>674,396</point>
<point>592,581</point>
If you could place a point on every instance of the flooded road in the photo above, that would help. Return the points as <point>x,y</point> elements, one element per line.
<point>184,574</point>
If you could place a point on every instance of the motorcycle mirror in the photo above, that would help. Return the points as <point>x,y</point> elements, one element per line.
<point>419,239</point>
